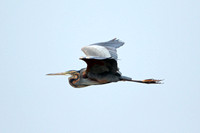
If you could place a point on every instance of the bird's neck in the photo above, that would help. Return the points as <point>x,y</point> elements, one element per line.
<point>74,80</point>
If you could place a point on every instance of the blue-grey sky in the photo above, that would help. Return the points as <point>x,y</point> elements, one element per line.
<point>41,36</point>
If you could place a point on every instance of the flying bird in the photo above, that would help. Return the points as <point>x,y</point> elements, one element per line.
<point>101,59</point>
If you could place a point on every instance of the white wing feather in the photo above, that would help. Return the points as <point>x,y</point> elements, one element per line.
<point>103,49</point>
<point>96,51</point>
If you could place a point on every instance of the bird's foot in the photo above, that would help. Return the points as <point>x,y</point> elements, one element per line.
<point>152,81</point>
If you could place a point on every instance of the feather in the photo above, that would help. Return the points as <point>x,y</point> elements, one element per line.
<point>103,49</point>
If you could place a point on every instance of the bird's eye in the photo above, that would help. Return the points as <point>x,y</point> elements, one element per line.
<point>75,76</point>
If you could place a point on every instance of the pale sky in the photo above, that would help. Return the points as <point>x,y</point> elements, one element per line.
<point>41,36</point>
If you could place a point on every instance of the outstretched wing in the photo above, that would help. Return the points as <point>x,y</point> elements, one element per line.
<point>102,70</point>
<point>100,66</point>
<point>104,49</point>
<point>101,59</point>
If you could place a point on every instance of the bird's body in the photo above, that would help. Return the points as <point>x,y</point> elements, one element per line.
<point>102,68</point>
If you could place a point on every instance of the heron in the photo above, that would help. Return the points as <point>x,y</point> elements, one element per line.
<point>102,68</point>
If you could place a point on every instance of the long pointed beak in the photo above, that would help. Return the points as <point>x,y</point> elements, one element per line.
<point>62,73</point>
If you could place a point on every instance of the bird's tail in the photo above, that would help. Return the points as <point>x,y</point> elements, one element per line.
<point>146,81</point>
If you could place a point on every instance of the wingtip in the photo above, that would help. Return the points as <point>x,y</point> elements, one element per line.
<point>117,41</point>
<point>114,39</point>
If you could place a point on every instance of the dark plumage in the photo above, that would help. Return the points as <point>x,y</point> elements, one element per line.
<point>101,59</point>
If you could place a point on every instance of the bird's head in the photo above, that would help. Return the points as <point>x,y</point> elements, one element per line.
<point>73,79</point>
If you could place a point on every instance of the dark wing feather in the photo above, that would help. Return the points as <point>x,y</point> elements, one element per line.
<point>102,69</point>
